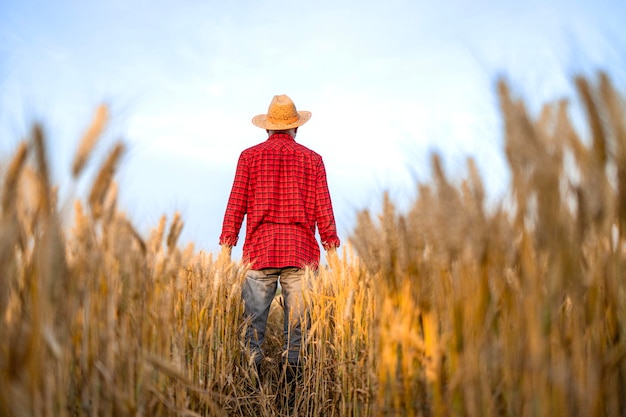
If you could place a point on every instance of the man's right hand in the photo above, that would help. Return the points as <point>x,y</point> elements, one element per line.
<point>225,253</point>
<point>332,258</point>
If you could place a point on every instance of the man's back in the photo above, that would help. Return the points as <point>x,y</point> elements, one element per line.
<point>281,186</point>
<point>283,177</point>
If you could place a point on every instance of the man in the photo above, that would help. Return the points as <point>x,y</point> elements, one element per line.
<point>280,185</point>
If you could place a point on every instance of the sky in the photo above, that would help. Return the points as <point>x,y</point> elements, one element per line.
<point>389,83</point>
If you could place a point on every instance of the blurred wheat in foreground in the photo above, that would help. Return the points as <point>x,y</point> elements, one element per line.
<point>448,309</point>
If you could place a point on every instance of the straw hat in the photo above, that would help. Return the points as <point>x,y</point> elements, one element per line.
<point>281,115</point>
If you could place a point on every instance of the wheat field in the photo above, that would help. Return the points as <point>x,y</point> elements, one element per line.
<point>448,309</point>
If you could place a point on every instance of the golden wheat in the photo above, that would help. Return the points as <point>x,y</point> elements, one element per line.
<point>448,309</point>
<point>90,139</point>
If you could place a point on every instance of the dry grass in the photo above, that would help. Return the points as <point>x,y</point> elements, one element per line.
<point>448,309</point>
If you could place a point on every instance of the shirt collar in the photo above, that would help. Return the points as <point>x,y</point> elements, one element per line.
<point>280,136</point>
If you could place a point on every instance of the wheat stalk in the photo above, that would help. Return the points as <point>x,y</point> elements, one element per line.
<point>90,139</point>
<point>103,180</point>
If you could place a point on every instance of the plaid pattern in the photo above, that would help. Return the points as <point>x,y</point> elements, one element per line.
<point>281,186</point>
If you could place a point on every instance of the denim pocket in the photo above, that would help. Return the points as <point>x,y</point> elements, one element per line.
<point>254,274</point>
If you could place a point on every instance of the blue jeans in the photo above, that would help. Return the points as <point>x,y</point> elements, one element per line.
<point>258,292</point>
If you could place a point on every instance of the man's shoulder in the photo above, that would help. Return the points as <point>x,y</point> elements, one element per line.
<point>254,149</point>
<point>307,150</point>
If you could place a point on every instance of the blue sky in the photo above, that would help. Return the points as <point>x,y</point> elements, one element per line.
<point>388,83</point>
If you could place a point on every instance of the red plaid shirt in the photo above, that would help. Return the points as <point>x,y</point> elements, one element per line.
<point>281,186</point>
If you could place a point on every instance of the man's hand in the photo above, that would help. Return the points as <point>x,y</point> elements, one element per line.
<point>332,258</point>
<point>224,256</point>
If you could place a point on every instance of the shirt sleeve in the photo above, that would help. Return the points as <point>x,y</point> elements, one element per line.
<point>324,211</point>
<point>236,208</point>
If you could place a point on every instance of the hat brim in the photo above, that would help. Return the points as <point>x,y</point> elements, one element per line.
<point>262,121</point>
